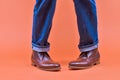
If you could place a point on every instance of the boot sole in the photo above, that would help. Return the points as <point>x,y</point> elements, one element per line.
<point>86,67</point>
<point>52,69</point>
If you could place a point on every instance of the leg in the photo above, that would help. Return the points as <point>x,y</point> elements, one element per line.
<point>42,22</point>
<point>87,24</point>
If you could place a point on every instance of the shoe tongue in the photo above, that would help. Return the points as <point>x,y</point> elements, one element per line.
<point>46,56</point>
<point>83,54</point>
<point>89,55</point>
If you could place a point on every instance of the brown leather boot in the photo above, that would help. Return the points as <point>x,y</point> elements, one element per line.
<point>86,60</point>
<point>43,61</point>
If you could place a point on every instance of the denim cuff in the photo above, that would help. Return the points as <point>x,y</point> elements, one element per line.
<point>88,48</point>
<point>40,49</point>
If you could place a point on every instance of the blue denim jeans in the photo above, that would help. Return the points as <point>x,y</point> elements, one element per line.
<point>86,20</point>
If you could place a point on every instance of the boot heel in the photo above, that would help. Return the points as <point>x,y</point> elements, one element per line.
<point>33,64</point>
<point>97,62</point>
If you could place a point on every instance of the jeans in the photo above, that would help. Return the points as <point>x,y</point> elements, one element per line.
<point>86,20</point>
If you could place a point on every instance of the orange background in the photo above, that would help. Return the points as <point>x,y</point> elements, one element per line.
<point>15,41</point>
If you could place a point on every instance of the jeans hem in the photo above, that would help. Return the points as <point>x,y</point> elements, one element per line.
<point>40,48</point>
<point>89,48</point>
